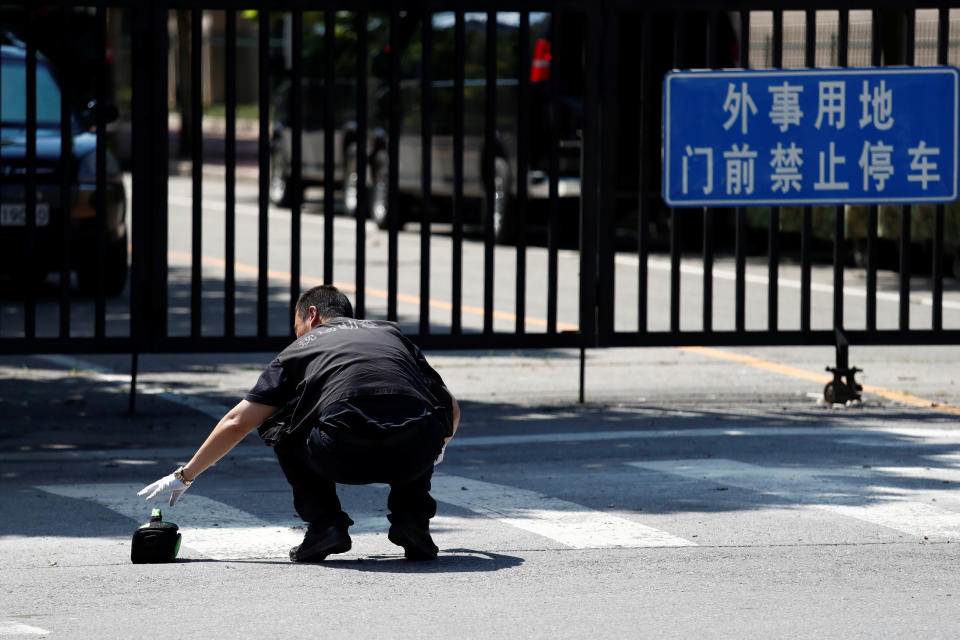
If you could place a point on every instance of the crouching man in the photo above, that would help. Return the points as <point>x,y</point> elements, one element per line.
<point>351,402</point>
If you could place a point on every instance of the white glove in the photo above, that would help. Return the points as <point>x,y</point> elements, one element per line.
<point>163,485</point>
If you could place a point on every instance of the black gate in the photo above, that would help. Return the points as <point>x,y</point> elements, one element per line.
<point>489,179</point>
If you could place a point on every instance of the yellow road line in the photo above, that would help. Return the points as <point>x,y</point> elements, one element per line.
<point>752,361</point>
<point>220,263</point>
<point>766,365</point>
<point>820,378</point>
<point>912,400</point>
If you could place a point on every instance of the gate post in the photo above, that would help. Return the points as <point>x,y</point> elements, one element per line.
<point>607,181</point>
<point>591,198</point>
<point>590,192</point>
<point>148,214</point>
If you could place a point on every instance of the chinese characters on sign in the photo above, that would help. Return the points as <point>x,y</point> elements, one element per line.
<point>811,136</point>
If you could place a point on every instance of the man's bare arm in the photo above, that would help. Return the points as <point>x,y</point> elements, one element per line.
<point>232,428</point>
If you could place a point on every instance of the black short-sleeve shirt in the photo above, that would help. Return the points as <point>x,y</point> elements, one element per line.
<point>347,360</point>
<point>274,387</point>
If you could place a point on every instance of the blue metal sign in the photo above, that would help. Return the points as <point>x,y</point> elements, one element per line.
<point>810,136</point>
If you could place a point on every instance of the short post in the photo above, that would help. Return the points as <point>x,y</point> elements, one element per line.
<point>843,387</point>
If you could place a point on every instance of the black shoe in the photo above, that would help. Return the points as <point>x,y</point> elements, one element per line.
<point>321,542</point>
<point>416,541</point>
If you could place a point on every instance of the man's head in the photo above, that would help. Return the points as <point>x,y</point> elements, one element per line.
<point>318,305</point>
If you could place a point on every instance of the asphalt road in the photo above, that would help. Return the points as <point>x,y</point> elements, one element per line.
<point>700,497</point>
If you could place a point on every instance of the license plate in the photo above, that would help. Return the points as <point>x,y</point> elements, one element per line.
<point>15,215</point>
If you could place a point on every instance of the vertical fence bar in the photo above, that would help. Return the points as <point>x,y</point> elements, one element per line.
<point>711,39</point>
<point>838,268</point>
<point>153,213</point>
<point>459,54</point>
<point>843,39</point>
<point>523,166</point>
<point>872,210</point>
<point>489,169</point>
<point>773,268</point>
<point>773,231</point>
<point>936,320</point>
<point>30,179</point>
<point>66,169</point>
<point>647,108</point>
<point>806,228</point>
<point>590,175</point>
<point>230,180</point>
<point>100,321</point>
<point>676,240</point>
<point>3,178</point>
<point>362,195</point>
<point>142,159</point>
<point>905,210</point>
<point>843,51</point>
<point>296,156</point>
<point>839,223</point>
<point>740,249</point>
<point>553,223</point>
<point>393,152</point>
<point>426,166</point>
<point>329,163</point>
<point>607,170</point>
<point>675,249</point>
<point>905,240</point>
<point>263,63</point>
<point>196,155</point>
<point>806,233</point>
<point>740,259</point>
<point>871,301</point>
<point>839,211</point>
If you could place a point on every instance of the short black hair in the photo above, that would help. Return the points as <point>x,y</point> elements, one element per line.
<point>329,301</point>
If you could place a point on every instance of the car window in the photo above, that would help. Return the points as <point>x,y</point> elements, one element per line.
<point>13,93</point>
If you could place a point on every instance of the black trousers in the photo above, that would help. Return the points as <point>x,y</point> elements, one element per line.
<point>329,455</point>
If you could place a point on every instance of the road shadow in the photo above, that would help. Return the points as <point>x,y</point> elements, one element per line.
<point>448,561</point>
<point>584,453</point>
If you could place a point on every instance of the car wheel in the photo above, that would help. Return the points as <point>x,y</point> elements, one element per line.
<point>351,180</point>
<point>380,194</point>
<point>504,217</point>
<point>281,193</point>
<point>115,270</point>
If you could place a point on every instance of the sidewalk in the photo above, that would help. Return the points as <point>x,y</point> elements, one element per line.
<point>84,401</point>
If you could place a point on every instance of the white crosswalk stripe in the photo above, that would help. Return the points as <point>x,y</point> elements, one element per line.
<point>865,494</point>
<point>13,628</point>
<point>566,522</point>
<point>217,530</point>
<point>487,517</point>
<point>212,529</point>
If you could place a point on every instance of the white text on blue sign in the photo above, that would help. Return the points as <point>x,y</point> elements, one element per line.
<point>811,136</point>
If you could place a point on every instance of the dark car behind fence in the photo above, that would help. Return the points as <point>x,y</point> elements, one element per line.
<point>520,141</point>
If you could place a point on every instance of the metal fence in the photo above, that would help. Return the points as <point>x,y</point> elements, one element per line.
<point>495,136</point>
